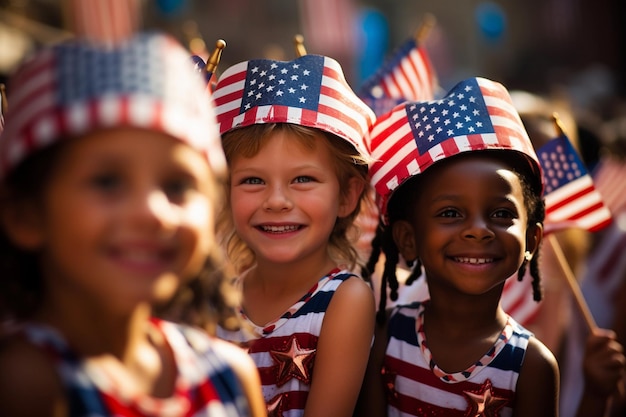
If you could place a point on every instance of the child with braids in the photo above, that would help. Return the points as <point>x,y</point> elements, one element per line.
<point>459,189</point>
<point>111,168</point>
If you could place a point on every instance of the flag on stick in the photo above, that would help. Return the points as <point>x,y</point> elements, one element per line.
<point>103,21</point>
<point>570,196</point>
<point>407,75</point>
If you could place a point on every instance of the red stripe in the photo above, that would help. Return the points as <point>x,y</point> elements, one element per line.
<point>555,205</point>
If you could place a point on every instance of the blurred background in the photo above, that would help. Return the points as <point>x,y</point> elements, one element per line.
<point>573,48</point>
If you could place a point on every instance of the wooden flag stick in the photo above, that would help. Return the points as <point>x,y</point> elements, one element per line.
<point>572,282</point>
<point>422,32</point>
<point>298,42</point>
<point>567,271</point>
<point>3,99</point>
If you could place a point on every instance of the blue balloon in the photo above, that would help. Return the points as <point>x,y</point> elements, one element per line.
<point>170,7</point>
<point>491,20</point>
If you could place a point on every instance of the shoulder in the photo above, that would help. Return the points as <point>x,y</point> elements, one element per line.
<point>29,383</point>
<point>538,380</point>
<point>246,372</point>
<point>353,290</point>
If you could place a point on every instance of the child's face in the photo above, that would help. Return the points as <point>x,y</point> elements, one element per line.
<point>469,225</point>
<point>285,199</point>
<point>126,216</point>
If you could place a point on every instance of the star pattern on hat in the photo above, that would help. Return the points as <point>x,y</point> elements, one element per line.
<point>484,403</point>
<point>293,362</point>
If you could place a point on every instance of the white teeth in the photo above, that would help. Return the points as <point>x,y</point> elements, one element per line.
<point>279,229</point>
<point>475,261</point>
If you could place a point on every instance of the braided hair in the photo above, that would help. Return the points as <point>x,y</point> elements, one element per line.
<point>399,205</point>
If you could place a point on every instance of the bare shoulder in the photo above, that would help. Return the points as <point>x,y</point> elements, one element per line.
<point>233,355</point>
<point>355,289</point>
<point>537,388</point>
<point>29,384</point>
<point>244,368</point>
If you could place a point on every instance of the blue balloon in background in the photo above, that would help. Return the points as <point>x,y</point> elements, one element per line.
<point>375,40</point>
<point>491,20</point>
<point>171,7</point>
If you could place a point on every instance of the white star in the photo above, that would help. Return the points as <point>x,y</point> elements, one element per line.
<point>279,93</point>
<point>284,71</point>
<point>306,72</point>
<point>294,77</point>
<point>273,66</point>
<point>263,73</point>
<point>304,87</point>
<point>270,88</point>
<point>271,77</point>
<point>255,69</point>
<point>431,138</point>
<point>291,90</point>
<point>281,81</point>
<point>459,125</point>
<point>302,100</point>
<point>450,132</point>
<point>295,66</point>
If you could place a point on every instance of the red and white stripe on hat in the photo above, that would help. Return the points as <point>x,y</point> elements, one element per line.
<point>477,114</point>
<point>77,87</point>
<point>309,91</point>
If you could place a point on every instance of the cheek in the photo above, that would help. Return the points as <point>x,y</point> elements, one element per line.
<point>200,221</point>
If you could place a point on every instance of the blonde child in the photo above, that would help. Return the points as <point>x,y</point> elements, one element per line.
<point>110,162</point>
<point>293,138</point>
<point>459,188</point>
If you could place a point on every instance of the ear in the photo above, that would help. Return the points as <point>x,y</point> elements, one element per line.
<point>22,224</point>
<point>534,235</point>
<point>350,198</point>
<point>404,238</point>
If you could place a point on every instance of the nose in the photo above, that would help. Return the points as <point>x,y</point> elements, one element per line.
<point>478,228</point>
<point>152,209</point>
<point>277,199</point>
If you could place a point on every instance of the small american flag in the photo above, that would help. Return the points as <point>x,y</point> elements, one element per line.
<point>309,91</point>
<point>104,21</point>
<point>608,178</point>
<point>407,76</point>
<point>476,114</point>
<point>570,196</point>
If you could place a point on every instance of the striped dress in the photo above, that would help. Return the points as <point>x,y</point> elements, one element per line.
<point>416,386</point>
<point>205,385</point>
<point>284,350</point>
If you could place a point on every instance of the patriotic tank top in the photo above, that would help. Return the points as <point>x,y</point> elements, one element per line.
<point>416,386</point>
<point>284,349</point>
<point>205,385</point>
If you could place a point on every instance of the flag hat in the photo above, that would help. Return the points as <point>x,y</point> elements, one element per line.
<point>477,114</point>
<point>76,87</point>
<point>309,91</point>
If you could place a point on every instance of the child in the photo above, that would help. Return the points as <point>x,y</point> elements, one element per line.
<point>292,134</point>
<point>110,163</point>
<point>459,189</point>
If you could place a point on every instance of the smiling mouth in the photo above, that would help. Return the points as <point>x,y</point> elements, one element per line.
<point>474,261</point>
<point>280,229</point>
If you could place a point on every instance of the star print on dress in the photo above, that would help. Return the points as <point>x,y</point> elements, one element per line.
<point>484,403</point>
<point>294,362</point>
<point>275,406</point>
<point>389,379</point>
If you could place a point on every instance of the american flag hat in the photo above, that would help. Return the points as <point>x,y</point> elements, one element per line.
<point>76,87</point>
<point>309,91</point>
<point>477,114</point>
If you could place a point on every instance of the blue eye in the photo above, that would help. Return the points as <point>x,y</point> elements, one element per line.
<point>252,181</point>
<point>303,179</point>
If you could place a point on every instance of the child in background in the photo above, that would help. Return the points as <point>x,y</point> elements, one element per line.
<point>110,164</point>
<point>459,188</point>
<point>293,137</point>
